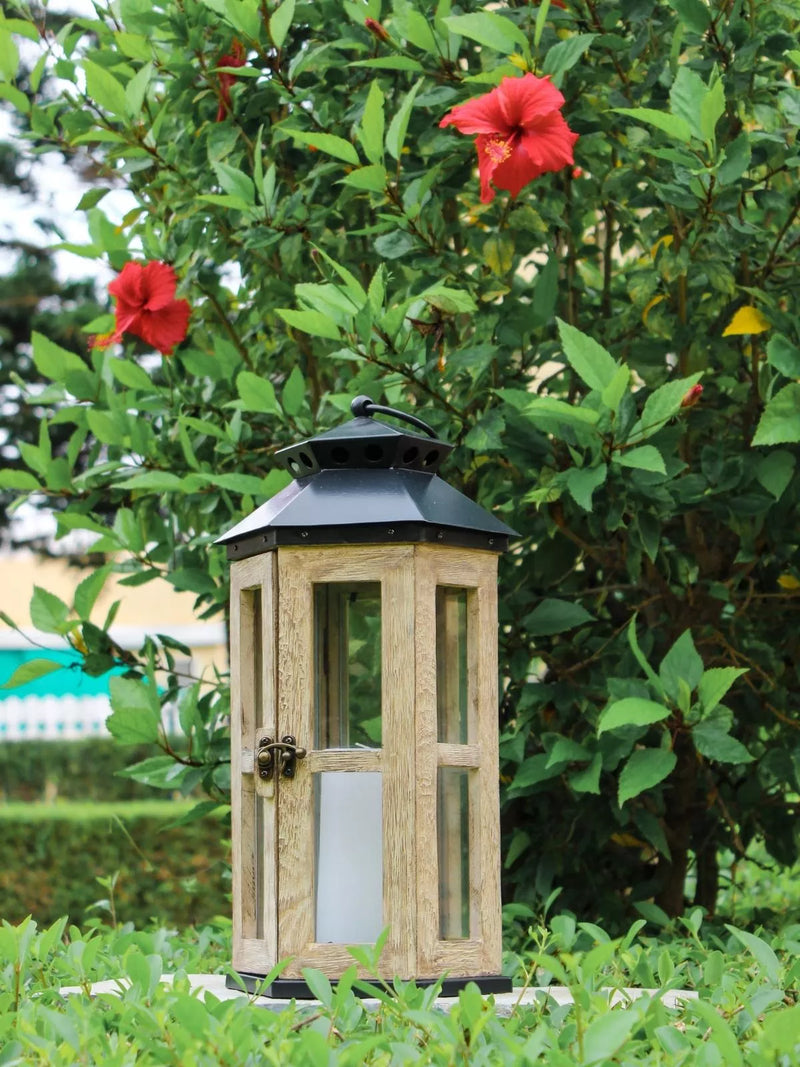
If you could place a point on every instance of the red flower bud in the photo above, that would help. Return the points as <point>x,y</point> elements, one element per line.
<point>376,29</point>
<point>692,396</point>
<point>577,172</point>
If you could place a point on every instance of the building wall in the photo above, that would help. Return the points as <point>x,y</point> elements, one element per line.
<point>67,703</point>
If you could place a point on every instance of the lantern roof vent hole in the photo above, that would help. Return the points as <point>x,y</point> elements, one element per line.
<point>366,443</point>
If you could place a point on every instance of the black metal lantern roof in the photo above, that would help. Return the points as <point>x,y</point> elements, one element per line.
<point>367,483</point>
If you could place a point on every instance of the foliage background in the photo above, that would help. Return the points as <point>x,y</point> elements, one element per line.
<point>330,239</point>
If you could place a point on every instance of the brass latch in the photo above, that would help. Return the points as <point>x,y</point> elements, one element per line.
<point>287,752</point>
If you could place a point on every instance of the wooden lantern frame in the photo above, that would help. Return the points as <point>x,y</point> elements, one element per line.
<point>273,709</point>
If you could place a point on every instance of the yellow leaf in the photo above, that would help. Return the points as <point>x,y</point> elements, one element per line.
<point>662,242</point>
<point>649,307</point>
<point>746,320</point>
<point>518,61</point>
<point>788,581</point>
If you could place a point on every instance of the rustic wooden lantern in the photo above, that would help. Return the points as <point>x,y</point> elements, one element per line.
<point>364,715</point>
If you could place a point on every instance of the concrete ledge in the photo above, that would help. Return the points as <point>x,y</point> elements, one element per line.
<point>504,1003</point>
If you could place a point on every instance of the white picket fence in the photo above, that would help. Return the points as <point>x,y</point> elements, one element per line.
<point>68,718</point>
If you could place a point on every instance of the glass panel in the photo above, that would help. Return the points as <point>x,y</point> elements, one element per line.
<point>349,861</point>
<point>453,842</point>
<point>452,669</point>
<point>347,640</point>
<point>251,680</point>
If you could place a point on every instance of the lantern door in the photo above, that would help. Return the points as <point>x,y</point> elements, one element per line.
<point>459,910</point>
<point>345,816</point>
<point>253,798</point>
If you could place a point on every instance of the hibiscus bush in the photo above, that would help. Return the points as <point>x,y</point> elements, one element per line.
<point>563,233</point>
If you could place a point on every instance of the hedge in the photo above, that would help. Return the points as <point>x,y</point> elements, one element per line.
<point>52,856</point>
<point>74,770</point>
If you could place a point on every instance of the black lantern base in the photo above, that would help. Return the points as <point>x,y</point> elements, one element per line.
<point>297,989</point>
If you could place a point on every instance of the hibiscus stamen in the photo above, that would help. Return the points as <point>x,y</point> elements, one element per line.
<point>498,150</point>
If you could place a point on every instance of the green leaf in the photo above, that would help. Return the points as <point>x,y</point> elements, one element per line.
<point>131,375</point>
<point>662,405</point>
<point>30,671</point>
<point>735,160</point>
<point>587,780</point>
<point>780,421</point>
<point>783,356</point>
<point>780,1032</point>
<point>416,29</point>
<point>156,481</point>
<point>54,362</point>
<point>641,659</point>
<point>644,458</point>
<point>48,612</point>
<point>553,616</point>
<point>712,739</point>
<point>294,392</point>
<point>279,22</point>
<point>372,178</point>
<point>565,750</point>
<point>235,182</point>
<point>765,956</point>
<point>686,99</point>
<point>489,29</point>
<point>605,1036</point>
<point>775,471</point>
<point>257,393</point>
<point>396,134</point>
<point>326,142</point>
<point>616,389</point>
<point>451,301</point>
<point>582,482</point>
<point>545,292</point>
<point>14,479</point>
<point>719,1034</point>
<point>631,711</point>
<point>108,428</point>
<point>371,129</point>
<point>394,245</point>
<point>249,484</point>
<point>645,768</point>
<point>105,90</point>
<point>88,591</point>
<point>677,127</point>
<point>313,322</point>
<point>136,712</point>
<point>694,14</point>
<point>681,662</point>
<point>564,55</point>
<point>712,110</point>
<point>715,683</point>
<point>590,361</point>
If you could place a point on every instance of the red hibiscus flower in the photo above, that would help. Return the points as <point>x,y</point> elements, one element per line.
<point>521,133</point>
<point>235,58</point>
<point>147,308</point>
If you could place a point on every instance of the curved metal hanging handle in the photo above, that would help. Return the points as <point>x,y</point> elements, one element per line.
<point>363,406</point>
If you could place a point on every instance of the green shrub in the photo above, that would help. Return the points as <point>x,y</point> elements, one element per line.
<point>52,856</point>
<point>74,770</point>
<point>744,1012</point>
<point>331,239</point>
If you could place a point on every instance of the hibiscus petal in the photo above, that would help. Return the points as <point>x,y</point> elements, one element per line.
<point>127,286</point>
<point>516,171</point>
<point>549,143</point>
<point>482,114</point>
<point>526,100</point>
<point>166,327</point>
<point>158,285</point>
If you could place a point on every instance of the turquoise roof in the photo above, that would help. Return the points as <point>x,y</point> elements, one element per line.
<point>71,681</point>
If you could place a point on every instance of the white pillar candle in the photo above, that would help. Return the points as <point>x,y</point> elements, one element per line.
<point>349,857</point>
